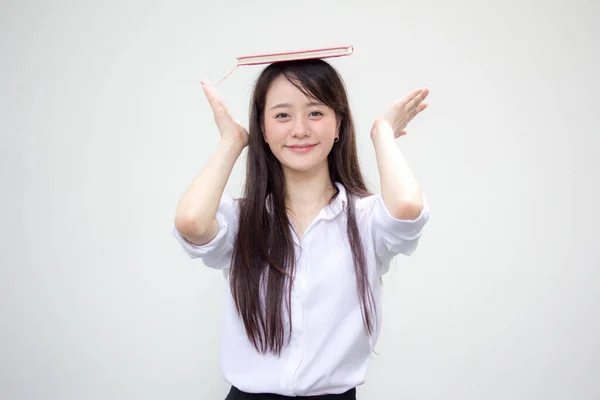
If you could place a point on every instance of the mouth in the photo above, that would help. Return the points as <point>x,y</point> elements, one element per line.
<point>301,148</point>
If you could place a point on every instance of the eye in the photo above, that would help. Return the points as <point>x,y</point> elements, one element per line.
<point>281,115</point>
<point>316,114</point>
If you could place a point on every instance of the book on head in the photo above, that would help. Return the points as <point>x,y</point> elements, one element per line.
<point>325,52</point>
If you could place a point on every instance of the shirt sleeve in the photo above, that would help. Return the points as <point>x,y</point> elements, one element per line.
<point>218,252</point>
<point>393,236</point>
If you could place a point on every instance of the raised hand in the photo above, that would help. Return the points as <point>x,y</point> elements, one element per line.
<point>229,129</point>
<point>401,112</point>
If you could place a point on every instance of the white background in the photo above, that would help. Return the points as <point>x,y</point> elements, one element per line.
<point>104,125</point>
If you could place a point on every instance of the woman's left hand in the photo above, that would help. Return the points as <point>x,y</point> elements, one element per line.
<point>399,114</point>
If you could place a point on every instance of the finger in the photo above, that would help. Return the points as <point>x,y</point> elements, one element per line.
<point>408,98</point>
<point>416,100</point>
<point>213,98</point>
<point>414,111</point>
<point>208,92</point>
<point>401,133</point>
<point>419,108</point>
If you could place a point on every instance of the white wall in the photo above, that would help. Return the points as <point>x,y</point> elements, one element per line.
<point>104,125</point>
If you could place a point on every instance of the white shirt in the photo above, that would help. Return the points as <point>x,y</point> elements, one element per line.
<point>329,349</point>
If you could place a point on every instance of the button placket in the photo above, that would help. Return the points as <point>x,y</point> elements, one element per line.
<point>298,312</point>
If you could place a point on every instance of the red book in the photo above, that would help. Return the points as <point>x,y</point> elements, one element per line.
<point>295,55</point>
<point>325,52</point>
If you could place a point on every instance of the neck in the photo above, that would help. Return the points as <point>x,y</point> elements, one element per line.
<point>307,191</point>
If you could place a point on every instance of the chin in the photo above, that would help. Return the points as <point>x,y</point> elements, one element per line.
<point>304,166</point>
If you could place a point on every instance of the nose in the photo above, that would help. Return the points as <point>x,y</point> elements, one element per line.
<point>300,129</point>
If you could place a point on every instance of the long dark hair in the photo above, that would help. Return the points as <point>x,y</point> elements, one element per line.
<point>263,263</point>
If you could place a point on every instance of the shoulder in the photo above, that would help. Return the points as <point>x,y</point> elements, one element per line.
<point>229,204</point>
<point>366,203</point>
<point>362,201</point>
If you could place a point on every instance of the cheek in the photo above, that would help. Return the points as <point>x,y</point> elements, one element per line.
<point>275,132</point>
<point>326,129</point>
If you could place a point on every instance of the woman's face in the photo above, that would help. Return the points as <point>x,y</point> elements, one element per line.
<point>299,130</point>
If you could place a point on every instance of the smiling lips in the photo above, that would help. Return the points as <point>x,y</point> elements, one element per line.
<point>301,148</point>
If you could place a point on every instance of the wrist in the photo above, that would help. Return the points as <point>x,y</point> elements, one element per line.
<point>232,145</point>
<point>382,130</point>
<point>230,149</point>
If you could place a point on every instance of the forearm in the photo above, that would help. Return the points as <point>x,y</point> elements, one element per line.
<point>400,190</point>
<point>198,206</point>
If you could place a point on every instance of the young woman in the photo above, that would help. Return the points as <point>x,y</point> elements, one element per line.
<point>306,246</point>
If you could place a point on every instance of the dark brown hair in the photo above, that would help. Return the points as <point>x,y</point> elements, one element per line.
<point>263,263</point>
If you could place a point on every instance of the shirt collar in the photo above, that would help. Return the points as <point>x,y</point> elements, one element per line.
<point>338,204</point>
<point>331,210</point>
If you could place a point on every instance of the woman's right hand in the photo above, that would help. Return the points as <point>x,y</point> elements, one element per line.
<point>230,129</point>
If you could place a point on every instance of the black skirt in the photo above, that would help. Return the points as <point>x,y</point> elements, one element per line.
<point>236,394</point>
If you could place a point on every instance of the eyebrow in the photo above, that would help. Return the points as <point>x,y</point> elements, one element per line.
<point>284,105</point>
